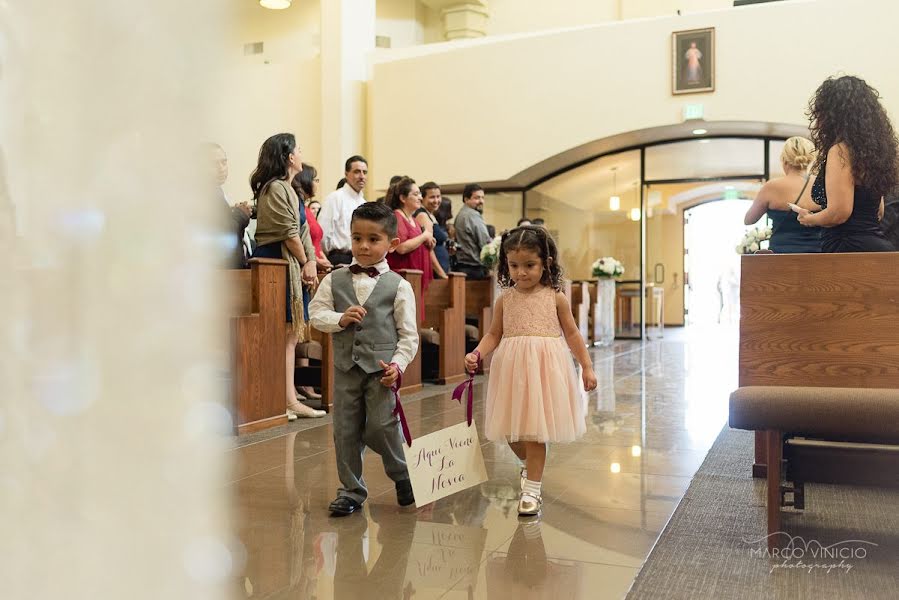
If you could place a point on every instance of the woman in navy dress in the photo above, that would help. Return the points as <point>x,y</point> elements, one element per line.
<point>427,218</point>
<point>787,235</point>
<point>857,157</point>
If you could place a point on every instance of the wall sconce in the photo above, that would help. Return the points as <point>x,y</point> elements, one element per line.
<point>635,214</point>
<point>614,202</point>
<point>275,4</point>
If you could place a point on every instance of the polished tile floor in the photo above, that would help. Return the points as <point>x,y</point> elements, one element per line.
<point>659,407</point>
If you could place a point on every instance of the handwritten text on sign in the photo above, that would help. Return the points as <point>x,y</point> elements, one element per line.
<point>445,462</point>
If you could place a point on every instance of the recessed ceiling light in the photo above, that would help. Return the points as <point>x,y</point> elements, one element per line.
<point>700,131</point>
<point>275,4</point>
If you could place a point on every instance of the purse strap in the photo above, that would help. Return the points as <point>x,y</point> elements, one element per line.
<point>808,177</point>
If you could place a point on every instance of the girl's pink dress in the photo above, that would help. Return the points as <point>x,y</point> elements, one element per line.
<point>533,392</point>
<point>419,259</point>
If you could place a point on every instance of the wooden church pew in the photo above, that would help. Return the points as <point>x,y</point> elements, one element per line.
<point>412,376</point>
<point>445,325</point>
<point>256,300</point>
<point>819,359</point>
<point>480,296</point>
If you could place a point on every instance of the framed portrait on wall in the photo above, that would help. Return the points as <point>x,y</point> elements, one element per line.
<point>693,61</point>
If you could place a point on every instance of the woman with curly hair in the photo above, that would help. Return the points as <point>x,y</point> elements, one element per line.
<point>856,164</point>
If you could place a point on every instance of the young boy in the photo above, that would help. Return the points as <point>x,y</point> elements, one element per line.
<point>370,312</point>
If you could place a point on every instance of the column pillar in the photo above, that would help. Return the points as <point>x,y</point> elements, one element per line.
<point>347,38</point>
<point>462,20</point>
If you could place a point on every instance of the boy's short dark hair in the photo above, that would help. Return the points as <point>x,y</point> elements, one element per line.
<point>377,212</point>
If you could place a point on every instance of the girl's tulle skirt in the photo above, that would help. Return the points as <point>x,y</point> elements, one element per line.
<point>533,392</point>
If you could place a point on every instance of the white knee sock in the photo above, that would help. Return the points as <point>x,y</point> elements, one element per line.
<point>532,487</point>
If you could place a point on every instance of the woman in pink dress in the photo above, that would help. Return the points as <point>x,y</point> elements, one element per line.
<point>533,396</point>
<point>414,251</point>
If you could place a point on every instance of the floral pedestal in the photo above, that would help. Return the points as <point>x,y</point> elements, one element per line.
<point>604,317</point>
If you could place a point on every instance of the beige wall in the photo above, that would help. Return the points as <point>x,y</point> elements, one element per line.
<point>516,16</point>
<point>510,16</point>
<point>403,21</point>
<point>278,91</point>
<point>635,9</point>
<point>529,98</point>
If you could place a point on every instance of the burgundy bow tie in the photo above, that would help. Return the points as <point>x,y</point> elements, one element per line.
<point>371,271</point>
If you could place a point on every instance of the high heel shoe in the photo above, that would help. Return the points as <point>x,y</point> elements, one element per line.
<point>307,392</point>
<point>302,411</point>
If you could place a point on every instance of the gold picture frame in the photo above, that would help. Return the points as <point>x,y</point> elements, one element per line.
<point>693,61</point>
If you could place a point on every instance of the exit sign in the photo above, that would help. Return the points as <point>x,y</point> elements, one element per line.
<point>693,111</point>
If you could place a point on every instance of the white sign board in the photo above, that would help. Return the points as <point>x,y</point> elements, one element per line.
<point>445,462</point>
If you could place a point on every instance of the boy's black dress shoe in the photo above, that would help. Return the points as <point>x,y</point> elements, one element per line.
<point>343,506</point>
<point>404,496</point>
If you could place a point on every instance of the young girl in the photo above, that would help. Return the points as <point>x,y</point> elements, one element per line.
<point>532,394</point>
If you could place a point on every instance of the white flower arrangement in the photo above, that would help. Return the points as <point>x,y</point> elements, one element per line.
<point>490,252</point>
<point>607,267</point>
<point>755,239</point>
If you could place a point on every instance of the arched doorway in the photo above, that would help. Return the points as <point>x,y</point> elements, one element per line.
<point>629,202</point>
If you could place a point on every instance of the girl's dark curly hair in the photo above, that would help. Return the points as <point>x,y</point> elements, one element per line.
<point>537,240</point>
<point>847,110</point>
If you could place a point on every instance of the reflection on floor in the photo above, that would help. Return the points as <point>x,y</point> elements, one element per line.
<point>659,406</point>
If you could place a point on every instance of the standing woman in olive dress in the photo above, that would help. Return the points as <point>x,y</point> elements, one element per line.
<point>282,232</point>
<point>856,164</point>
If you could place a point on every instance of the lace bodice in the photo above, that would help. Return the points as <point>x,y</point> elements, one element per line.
<point>530,314</point>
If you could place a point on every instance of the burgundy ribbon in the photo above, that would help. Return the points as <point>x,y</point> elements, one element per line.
<point>460,389</point>
<point>395,388</point>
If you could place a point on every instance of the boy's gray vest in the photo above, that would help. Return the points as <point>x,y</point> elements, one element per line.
<point>375,338</point>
